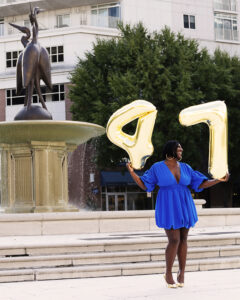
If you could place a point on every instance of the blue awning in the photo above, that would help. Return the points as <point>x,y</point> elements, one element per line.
<point>118,178</point>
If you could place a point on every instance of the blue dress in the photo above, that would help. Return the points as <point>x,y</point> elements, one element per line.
<point>174,206</point>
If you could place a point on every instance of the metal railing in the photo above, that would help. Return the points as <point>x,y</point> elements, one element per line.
<point>225,5</point>
<point>86,20</point>
<point>104,21</point>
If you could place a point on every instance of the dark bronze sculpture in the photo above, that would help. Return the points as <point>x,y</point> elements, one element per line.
<point>33,65</point>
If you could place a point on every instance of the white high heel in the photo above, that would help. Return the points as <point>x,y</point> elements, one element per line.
<point>179,284</point>
<point>170,285</point>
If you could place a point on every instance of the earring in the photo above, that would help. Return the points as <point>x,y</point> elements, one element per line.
<point>168,157</point>
<point>180,159</point>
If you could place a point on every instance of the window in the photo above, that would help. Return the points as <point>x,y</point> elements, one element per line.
<point>189,21</point>
<point>126,197</point>
<point>225,5</point>
<point>63,21</point>
<point>83,18</point>
<point>1,26</point>
<point>56,54</point>
<point>11,58</point>
<point>26,23</point>
<point>105,15</point>
<point>226,27</point>
<point>57,94</point>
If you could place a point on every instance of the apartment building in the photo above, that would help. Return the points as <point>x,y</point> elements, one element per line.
<point>68,29</point>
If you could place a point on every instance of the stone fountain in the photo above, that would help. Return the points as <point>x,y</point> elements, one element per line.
<point>34,148</point>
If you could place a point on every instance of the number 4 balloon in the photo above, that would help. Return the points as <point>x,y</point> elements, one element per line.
<point>139,146</point>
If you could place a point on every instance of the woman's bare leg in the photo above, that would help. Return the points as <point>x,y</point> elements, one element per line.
<point>182,253</point>
<point>171,252</point>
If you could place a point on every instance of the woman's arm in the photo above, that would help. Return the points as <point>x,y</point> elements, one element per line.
<point>135,177</point>
<point>212,182</point>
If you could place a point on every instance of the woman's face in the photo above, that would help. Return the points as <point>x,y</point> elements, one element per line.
<point>179,151</point>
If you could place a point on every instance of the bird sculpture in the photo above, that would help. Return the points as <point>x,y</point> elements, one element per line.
<point>33,65</point>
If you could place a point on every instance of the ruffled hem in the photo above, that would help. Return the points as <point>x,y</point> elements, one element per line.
<point>176,226</point>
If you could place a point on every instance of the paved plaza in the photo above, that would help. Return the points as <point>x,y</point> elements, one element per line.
<point>199,286</point>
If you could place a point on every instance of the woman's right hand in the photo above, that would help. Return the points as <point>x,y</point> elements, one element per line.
<point>225,178</point>
<point>129,167</point>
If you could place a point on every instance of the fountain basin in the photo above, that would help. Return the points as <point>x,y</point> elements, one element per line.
<point>56,131</point>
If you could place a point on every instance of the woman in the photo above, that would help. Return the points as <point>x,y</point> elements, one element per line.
<point>175,210</point>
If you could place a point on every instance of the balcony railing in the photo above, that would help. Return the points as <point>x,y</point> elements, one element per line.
<point>104,21</point>
<point>225,5</point>
<point>85,19</point>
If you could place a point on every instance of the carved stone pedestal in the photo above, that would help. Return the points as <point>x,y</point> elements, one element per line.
<point>34,177</point>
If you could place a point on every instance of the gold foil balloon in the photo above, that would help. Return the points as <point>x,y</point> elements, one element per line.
<point>214,114</point>
<point>139,145</point>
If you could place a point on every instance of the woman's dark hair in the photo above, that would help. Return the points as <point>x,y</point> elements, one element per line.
<point>170,149</point>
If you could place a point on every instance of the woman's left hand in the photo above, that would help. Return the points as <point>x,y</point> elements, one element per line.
<point>129,167</point>
<point>225,178</point>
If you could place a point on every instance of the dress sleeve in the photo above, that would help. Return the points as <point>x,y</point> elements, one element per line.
<point>196,179</point>
<point>149,179</point>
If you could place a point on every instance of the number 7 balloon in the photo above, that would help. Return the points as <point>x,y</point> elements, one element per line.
<point>139,145</point>
<point>214,114</point>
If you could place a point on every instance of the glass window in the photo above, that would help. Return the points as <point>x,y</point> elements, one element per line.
<point>11,58</point>
<point>225,5</point>
<point>189,21</point>
<point>57,94</point>
<point>111,202</point>
<point>104,205</point>
<point>185,21</point>
<point>120,202</point>
<point>192,22</point>
<point>133,188</point>
<point>116,188</point>
<point>63,21</point>
<point>1,26</point>
<point>56,54</point>
<point>83,18</point>
<point>127,197</point>
<point>105,15</point>
<point>226,27</point>
<point>26,23</point>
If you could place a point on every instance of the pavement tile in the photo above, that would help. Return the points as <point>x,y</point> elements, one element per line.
<point>220,285</point>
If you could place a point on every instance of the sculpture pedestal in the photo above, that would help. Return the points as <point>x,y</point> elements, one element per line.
<point>34,173</point>
<point>34,177</point>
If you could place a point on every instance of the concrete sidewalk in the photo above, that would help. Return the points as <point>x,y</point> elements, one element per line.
<point>220,285</point>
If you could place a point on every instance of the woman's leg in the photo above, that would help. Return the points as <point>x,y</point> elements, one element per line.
<point>182,253</point>
<point>171,252</point>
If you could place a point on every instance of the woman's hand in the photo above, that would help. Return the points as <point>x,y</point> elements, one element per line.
<point>135,177</point>
<point>129,167</point>
<point>212,182</point>
<point>225,178</point>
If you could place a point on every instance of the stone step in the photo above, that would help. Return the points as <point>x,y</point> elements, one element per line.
<point>115,269</point>
<point>108,244</point>
<point>89,222</point>
<point>116,257</point>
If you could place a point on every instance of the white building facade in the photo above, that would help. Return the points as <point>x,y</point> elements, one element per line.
<point>68,28</point>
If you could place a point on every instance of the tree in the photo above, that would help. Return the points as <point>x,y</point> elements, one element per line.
<point>162,68</point>
<point>166,69</point>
